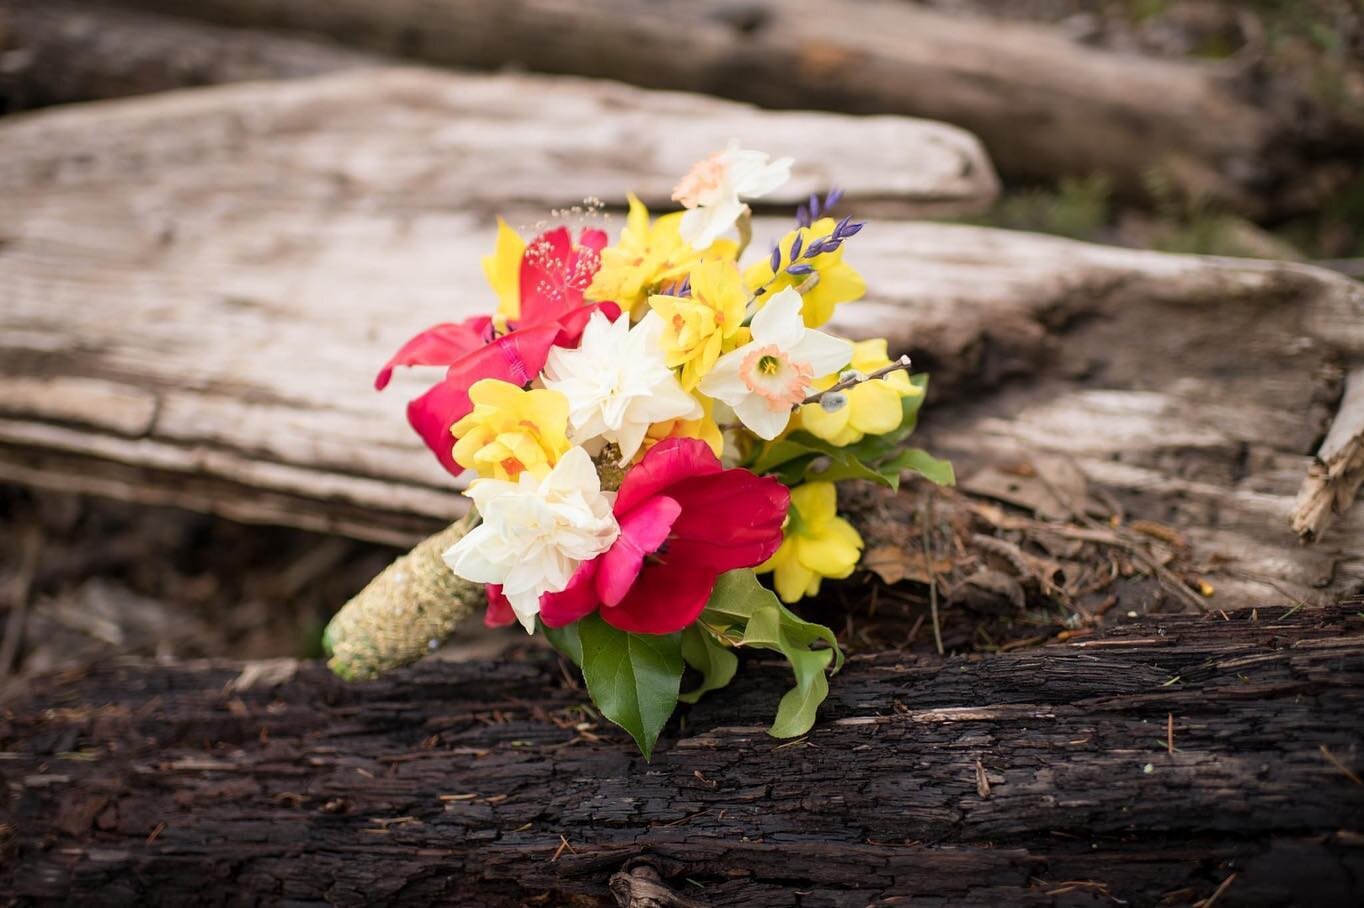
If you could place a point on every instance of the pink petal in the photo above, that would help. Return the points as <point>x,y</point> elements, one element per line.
<point>576,600</point>
<point>729,521</point>
<point>439,345</point>
<point>571,325</point>
<point>499,613</point>
<point>671,460</point>
<point>665,599</point>
<point>642,531</point>
<point>593,238</point>
<point>432,415</point>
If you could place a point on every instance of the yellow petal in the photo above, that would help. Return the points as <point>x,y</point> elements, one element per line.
<point>503,270</point>
<point>817,502</point>
<point>823,424</point>
<point>874,408</point>
<point>828,556</point>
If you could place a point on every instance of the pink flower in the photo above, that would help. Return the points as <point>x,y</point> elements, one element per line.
<point>554,275</point>
<point>684,520</point>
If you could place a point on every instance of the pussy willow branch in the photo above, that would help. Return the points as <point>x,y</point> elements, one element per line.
<point>845,384</point>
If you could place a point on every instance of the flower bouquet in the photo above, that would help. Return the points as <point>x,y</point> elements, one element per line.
<point>652,427</point>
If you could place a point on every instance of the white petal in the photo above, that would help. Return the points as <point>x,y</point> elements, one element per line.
<point>574,471</point>
<point>630,438</point>
<point>824,352</point>
<point>722,382</point>
<point>778,321</point>
<point>766,423</point>
<point>466,559</point>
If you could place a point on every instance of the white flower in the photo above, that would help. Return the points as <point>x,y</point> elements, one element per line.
<point>617,382</point>
<point>764,379</point>
<point>535,533</point>
<point>711,190</point>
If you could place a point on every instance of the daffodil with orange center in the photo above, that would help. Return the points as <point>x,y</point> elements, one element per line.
<point>696,327</point>
<point>511,431</point>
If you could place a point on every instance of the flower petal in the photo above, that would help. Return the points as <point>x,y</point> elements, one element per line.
<point>823,352</point>
<point>664,599</point>
<point>499,613</point>
<point>439,345</point>
<point>575,601</point>
<point>779,322</point>
<point>642,531</point>
<point>671,460</point>
<point>757,414</point>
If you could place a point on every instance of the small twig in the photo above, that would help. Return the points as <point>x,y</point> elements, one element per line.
<point>1216,893</point>
<point>1336,762</point>
<point>1170,733</point>
<point>932,574</point>
<point>845,384</point>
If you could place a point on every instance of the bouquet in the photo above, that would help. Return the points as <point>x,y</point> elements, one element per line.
<point>653,428</point>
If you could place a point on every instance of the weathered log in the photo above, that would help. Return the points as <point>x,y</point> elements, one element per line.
<point>1045,105</point>
<point>1336,475</point>
<point>1160,764</point>
<point>58,52</point>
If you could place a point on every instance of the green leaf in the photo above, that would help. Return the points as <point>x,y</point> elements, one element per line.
<point>715,661</point>
<point>802,457</point>
<point>741,604</point>
<point>633,678</point>
<point>929,467</point>
<point>565,639</point>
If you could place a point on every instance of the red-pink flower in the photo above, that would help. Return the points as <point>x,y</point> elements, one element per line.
<point>684,520</point>
<point>554,275</point>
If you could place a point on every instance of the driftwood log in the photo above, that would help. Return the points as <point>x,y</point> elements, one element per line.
<point>1045,105</point>
<point>1162,764</point>
<point>196,288</point>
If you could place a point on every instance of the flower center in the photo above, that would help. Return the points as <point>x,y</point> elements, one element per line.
<point>773,376</point>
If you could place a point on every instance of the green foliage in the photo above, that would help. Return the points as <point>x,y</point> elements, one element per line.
<point>714,660</point>
<point>803,457</point>
<point>633,678</point>
<point>746,613</point>
<point>565,640</point>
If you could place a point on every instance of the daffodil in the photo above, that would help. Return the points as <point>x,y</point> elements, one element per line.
<point>816,543</point>
<point>617,383</point>
<point>704,428</point>
<point>714,189</point>
<point>650,255</point>
<point>696,327</point>
<point>535,532</point>
<point>503,271</point>
<point>870,407</point>
<point>511,431</point>
<point>768,376</point>
<point>826,278</point>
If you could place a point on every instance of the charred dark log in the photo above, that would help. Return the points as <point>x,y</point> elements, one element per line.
<point>1160,764</point>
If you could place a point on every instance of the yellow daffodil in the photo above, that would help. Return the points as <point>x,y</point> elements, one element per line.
<point>503,271</point>
<point>817,543</point>
<point>705,428</point>
<point>830,281</point>
<point>650,255</point>
<point>511,431</point>
<point>696,327</point>
<point>872,408</point>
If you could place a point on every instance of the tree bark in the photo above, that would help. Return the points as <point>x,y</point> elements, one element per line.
<point>1045,105</point>
<point>1150,766</point>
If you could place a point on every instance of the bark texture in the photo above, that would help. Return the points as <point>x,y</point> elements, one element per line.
<point>1150,766</point>
<point>1044,104</point>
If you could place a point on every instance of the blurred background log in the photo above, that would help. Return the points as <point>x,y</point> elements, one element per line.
<point>1160,764</point>
<point>1230,132</point>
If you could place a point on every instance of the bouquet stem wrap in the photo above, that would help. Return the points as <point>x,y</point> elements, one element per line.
<point>405,612</point>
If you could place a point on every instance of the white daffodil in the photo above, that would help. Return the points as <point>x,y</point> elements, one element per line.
<point>764,379</point>
<point>714,189</point>
<point>535,532</point>
<point>617,383</point>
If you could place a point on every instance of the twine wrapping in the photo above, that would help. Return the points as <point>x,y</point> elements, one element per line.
<point>404,613</point>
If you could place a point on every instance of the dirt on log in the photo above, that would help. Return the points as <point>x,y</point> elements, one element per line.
<point>1045,104</point>
<point>1156,765</point>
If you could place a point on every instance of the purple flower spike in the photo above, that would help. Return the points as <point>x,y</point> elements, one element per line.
<point>842,226</point>
<point>833,198</point>
<point>852,230</point>
<point>816,248</point>
<point>776,257</point>
<point>795,247</point>
<point>814,207</point>
<point>802,217</point>
<point>799,269</point>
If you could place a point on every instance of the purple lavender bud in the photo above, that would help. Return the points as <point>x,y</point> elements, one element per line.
<point>799,269</point>
<point>775,261</point>
<point>816,248</point>
<point>795,246</point>
<point>852,230</point>
<point>802,217</point>
<point>814,207</point>
<point>831,244</point>
<point>842,226</point>
<point>833,198</point>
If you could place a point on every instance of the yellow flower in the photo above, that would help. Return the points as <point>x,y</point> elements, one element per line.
<point>696,327</point>
<point>834,280</point>
<point>704,428</point>
<point>648,257</point>
<point>503,271</point>
<point>511,431</point>
<point>817,544</point>
<point>873,407</point>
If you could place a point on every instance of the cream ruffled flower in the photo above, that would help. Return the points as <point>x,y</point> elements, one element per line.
<point>617,383</point>
<point>765,378</point>
<point>714,189</point>
<point>535,532</point>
